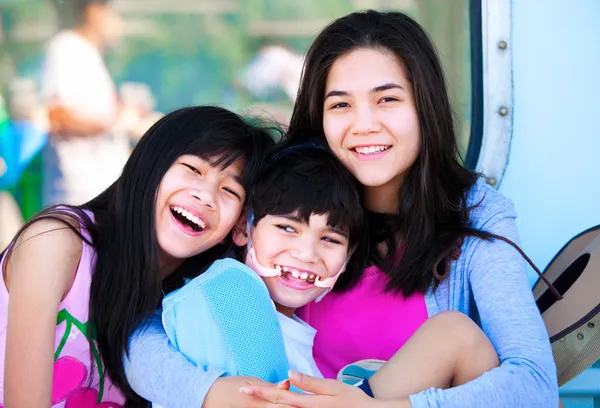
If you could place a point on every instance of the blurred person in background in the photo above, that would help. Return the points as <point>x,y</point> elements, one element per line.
<point>85,152</point>
<point>274,68</point>
<point>138,110</point>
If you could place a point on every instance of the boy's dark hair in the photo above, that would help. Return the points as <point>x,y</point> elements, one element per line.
<point>307,179</point>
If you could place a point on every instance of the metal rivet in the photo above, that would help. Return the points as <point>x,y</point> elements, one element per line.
<point>579,336</point>
<point>491,181</point>
<point>591,325</point>
<point>503,111</point>
<point>502,45</point>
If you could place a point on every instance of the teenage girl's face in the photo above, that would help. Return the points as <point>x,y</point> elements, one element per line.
<point>303,251</point>
<point>370,119</point>
<point>198,204</point>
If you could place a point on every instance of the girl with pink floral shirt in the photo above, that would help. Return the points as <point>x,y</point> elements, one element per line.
<point>77,280</point>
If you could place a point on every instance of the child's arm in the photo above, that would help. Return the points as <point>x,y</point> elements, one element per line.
<point>39,274</point>
<point>161,374</point>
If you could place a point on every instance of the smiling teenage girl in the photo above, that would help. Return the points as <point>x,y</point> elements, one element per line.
<point>374,89</point>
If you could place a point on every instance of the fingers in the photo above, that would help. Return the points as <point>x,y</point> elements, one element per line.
<point>249,401</point>
<point>283,385</point>
<point>314,385</point>
<point>278,396</point>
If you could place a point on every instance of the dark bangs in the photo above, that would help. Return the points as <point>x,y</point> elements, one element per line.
<point>309,181</point>
<point>223,142</point>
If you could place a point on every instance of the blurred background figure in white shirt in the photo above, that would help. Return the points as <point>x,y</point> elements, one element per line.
<point>85,153</point>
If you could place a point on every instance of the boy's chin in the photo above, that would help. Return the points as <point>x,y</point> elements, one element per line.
<point>296,302</point>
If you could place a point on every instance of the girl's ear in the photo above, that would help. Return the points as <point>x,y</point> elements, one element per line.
<point>239,233</point>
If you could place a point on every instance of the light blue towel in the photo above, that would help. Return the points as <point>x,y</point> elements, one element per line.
<point>225,319</point>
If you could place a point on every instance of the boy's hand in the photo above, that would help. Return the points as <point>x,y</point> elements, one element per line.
<point>225,393</point>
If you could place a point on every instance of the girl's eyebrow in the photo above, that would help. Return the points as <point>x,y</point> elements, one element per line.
<point>230,174</point>
<point>386,87</point>
<point>380,88</point>
<point>336,93</point>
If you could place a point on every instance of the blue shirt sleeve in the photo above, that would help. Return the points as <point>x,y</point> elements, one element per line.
<point>496,275</point>
<point>161,374</point>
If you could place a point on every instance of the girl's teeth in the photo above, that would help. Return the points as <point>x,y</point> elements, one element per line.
<point>296,274</point>
<point>190,216</point>
<point>370,149</point>
<point>303,275</point>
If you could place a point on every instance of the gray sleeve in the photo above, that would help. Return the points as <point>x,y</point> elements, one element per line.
<point>512,322</point>
<point>161,374</point>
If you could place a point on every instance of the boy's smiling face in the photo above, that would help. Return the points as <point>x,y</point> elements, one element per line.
<point>302,251</point>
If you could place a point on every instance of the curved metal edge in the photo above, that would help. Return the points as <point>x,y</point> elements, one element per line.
<point>497,90</point>
<point>476,134</point>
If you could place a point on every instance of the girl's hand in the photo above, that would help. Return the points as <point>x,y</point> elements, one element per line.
<point>225,393</point>
<point>326,394</point>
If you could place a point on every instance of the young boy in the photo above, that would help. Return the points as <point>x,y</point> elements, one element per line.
<point>304,231</point>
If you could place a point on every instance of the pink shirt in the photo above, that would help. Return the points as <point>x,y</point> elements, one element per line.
<point>364,323</point>
<point>77,382</point>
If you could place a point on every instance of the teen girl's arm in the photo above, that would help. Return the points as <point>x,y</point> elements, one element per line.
<point>161,374</point>
<point>39,273</point>
<point>509,317</point>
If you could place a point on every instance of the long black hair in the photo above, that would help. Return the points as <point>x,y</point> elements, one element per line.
<point>433,215</point>
<point>126,282</point>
